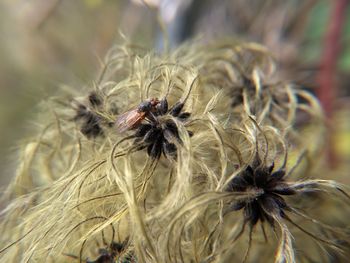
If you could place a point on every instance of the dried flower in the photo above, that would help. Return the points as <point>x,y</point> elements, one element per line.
<point>194,205</point>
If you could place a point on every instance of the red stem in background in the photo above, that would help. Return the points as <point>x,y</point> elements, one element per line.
<point>327,91</point>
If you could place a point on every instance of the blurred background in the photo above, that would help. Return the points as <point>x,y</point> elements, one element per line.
<point>47,43</point>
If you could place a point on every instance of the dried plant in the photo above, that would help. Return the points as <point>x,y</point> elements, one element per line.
<point>168,158</point>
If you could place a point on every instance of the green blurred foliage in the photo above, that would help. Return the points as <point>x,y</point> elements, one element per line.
<point>314,35</point>
<point>315,31</point>
<point>345,58</point>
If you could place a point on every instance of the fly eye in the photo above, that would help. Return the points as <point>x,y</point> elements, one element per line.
<point>154,102</point>
<point>145,106</point>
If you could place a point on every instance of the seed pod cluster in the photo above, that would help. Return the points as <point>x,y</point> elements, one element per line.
<point>201,155</point>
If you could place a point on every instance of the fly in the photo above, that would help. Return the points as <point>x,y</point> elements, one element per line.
<point>132,118</point>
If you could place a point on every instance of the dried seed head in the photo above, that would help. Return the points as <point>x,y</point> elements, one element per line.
<point>270,202</point>
<point>89,121</point>
<point>156,203</point>
<point>161,135</point>
<point>270,205</point>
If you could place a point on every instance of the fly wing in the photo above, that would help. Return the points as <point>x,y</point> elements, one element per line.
<point>128,120</point>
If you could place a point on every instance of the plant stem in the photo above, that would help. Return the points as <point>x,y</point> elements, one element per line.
<point>327,91</point>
